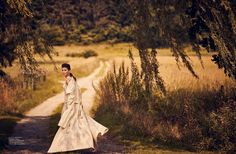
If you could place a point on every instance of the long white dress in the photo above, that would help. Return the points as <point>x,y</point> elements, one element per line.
<point>77,129</point>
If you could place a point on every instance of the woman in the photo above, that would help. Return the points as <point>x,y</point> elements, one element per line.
<point>77,130</point>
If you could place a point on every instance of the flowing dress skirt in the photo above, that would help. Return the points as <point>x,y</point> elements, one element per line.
<point>77,131</point>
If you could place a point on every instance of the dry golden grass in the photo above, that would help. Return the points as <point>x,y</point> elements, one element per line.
<point>77,65</point>
<point>104,50</point>
<point>175,78</point>
<point>7,101</point>
<point>186,94</point>
<point>107,51</point>
<point>21,99</point>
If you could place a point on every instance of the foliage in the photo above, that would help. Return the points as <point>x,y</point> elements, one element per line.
<point>89,53</point>
<point>53,34</point>
<point>85,54</point>
<point>155,21</point>
<point>7,93</point>
<point>17,100</point>
<point>206,25</point>
<point>84,21</point>
<point>199,119</point>
<point>213,27</point>
<point>20,37</point>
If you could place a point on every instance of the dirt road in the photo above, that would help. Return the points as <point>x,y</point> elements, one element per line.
<point>31,133</point>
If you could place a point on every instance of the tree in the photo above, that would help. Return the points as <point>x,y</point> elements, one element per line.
<point>20,37</point>
<point>210,24</point>
<point>214,27</point>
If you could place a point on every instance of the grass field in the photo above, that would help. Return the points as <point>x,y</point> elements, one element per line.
<point>210,77</point>
<point>175,78</point>
<point>108,51</point>
<point>179,82</point>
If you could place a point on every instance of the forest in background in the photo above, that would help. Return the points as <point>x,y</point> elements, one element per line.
<point>86,22</point>
<point>73,21</point>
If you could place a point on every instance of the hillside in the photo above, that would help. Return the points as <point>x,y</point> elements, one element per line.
<point>92,21</point>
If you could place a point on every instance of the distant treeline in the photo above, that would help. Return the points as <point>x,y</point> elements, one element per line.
<point>69,21</point>
<point>86,21</point>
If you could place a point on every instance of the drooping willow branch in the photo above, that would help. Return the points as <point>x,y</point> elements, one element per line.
<point>209,24</point>
<point>20,37</point>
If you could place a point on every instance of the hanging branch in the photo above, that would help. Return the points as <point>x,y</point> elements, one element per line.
<point>20,37</point>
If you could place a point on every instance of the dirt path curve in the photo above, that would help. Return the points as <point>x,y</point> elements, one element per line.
<point>31,133</point>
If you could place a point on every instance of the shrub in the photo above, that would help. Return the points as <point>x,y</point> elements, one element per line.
<point>73,54</point>
<point>54,34</point>
<point>195,119</point>
<point>74,35</point>
<point>8,91</point>
<point>85,54</point>
<point>89,53</point>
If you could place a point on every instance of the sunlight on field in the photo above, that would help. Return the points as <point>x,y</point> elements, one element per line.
<point>182,87</point>
<point>209,76</point>
<point>79,67</point>
<point>104,50</point>
<point>174,78</point>
<point>107,51</point>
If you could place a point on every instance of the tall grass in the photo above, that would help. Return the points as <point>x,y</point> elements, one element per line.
<point>16,100</point>
<point>198,116</point>
<point>8,91</point>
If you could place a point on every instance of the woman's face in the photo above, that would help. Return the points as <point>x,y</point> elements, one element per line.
<point>65,71</point>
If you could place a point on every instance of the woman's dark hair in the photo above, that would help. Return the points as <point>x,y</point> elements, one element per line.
<point>68,67</point>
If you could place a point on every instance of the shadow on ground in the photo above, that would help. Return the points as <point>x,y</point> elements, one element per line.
<point>32,135</point>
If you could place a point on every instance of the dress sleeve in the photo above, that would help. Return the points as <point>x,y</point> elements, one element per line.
<point>71,85</point>
<point>68,113</point>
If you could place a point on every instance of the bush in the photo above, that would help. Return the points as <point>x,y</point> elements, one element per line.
<point>73,54</point>
<point>200,119</point>
<point>112,33</point>
<point>74,35</point>
<point>85,54</point>
<point>89,53</point>
<point>8,91</point>
<point>54,34</point>
<point>221,132</point>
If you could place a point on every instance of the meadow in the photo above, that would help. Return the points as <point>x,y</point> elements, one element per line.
<point>196,115</point>
<point>189,101</point>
